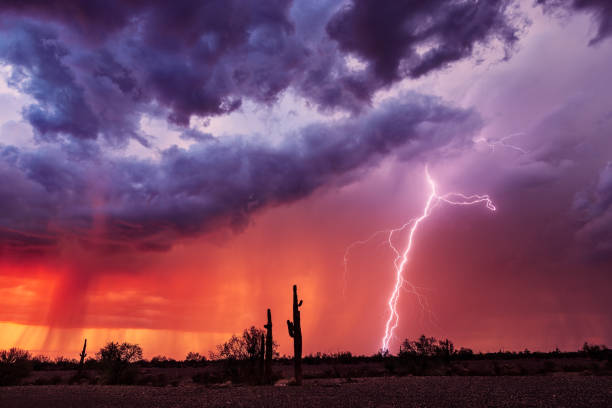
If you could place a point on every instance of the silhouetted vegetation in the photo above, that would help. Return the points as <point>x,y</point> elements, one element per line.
<point>239,357</point>
<point>269,350</point>
<point>295,331</point>
<point>239,361</point>
<point>194,359</point>
<point>116,362</point>
<point>83,355</point>
<point>15,365</point>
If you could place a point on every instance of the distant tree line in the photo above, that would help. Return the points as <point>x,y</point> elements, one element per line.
<point>240,359</point>
<point>247,347</point>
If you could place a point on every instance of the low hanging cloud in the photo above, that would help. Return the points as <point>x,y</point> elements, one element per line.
<point>148,204</point>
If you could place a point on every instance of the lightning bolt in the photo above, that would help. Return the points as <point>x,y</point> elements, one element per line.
<point>401,256</point>
<point>502,142</point>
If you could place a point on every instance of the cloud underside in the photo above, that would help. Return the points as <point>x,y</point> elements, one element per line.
<point>147,204</point>
<point>92,70</point>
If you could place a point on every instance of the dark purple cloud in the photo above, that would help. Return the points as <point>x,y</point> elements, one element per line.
<point>148,204</point>
<point>94,68</point>
<point>36,54</point>
<point>389,35</point>
<point>601,10</point>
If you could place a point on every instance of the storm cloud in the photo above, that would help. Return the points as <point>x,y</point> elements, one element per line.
<point>390,37</point>
<point>148,204</point>
<point>95,68</point>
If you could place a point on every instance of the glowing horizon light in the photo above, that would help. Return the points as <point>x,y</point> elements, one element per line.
<point>401,258</point>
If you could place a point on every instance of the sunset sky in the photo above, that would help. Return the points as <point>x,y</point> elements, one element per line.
<point>168,169</point>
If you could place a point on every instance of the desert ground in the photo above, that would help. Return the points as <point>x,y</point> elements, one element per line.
<point>501,391</point>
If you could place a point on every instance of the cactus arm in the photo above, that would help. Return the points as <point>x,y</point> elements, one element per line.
<point>291,328</point>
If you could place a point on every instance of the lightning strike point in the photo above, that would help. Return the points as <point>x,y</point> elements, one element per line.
<point>401,259</point>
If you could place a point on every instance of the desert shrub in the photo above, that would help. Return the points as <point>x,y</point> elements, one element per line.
<point>241,356</point>
<point>41,362</point>
<point>465,354</point>
<point>598,352</point>
<point>246,347</point>
<point>380,355</point>
<point>64,363</point>
<point>163,362</point>
<point>116,362</point>
<point>344,357</point>
<point>195,359</point>
<point>15,365</point>
<point>426,355</point>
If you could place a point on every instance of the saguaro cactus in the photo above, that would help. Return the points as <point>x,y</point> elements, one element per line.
<point>261,358</point>
<point>295,331</point>
<point>83,354</point>
<point>269,347</point>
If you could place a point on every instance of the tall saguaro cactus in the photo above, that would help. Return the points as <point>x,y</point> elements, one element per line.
<point>83,354</point>
<point>261,357</point>
<point>295,331</point>
<point>269,348</point>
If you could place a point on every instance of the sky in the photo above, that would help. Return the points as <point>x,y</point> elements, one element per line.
<point>170,169</point>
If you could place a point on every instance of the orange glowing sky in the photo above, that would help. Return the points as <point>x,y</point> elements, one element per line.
<point>200,292</point>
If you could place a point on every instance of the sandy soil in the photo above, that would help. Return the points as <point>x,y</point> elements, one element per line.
<point>542,391</point>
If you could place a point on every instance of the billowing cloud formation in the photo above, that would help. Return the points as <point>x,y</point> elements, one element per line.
<point>147,204</point>
<point>33,49</point>
<point>389,37</point>
<point>601,11</point>
<point>93,69</point>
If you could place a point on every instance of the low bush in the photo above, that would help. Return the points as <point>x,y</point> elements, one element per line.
<point>116,362</point>
<point>15,365</point>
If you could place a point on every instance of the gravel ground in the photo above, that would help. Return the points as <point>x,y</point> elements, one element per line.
<point>543,391</point>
